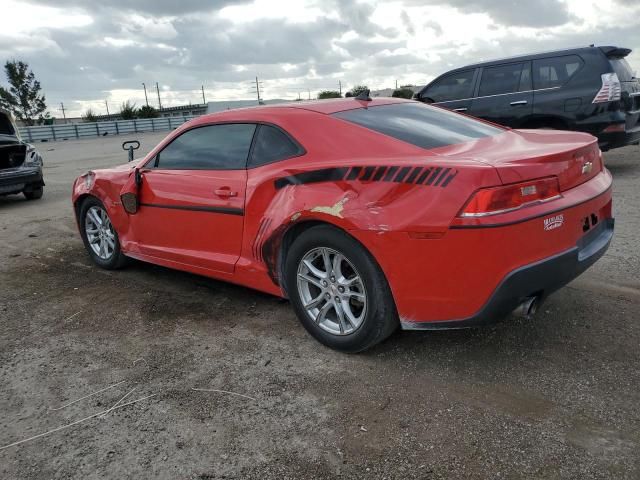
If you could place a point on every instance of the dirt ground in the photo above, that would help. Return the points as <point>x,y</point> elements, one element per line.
<point>554,397</point>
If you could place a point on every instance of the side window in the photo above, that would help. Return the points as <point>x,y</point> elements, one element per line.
<point>271,144</point>
<point>555,71</point>
<point>213,147</point>
<point>452,87</point>
<point>500,79</point>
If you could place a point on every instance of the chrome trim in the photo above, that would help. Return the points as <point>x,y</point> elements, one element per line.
<point>519,102</point>
<point>463,109</point>
<point>499,95</point>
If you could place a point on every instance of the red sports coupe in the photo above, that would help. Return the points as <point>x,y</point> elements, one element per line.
<point>366,214</point>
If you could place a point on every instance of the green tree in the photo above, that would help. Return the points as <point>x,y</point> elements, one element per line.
<point>89,116</point>
<point>403,92</point>
<point>147,111</point>
<point>328,94</point>
<point>23,97</point>
<point>128,110</point>
<point>357,90</point>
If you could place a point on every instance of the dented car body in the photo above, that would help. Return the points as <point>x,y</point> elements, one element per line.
<point>20,163</point>
<point>454,213</point>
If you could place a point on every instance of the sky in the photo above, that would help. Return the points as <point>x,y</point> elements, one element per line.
<point>86,52</point>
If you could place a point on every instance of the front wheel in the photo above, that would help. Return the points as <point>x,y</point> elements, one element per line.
<point>34,193</point>
<point>338,291</point>
<point>99,236</point>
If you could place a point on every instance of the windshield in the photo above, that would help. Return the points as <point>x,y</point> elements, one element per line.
<point>421,125</point>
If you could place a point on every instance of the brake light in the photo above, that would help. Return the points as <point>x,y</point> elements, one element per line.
<point>495,200</point>
<point>610,90</point>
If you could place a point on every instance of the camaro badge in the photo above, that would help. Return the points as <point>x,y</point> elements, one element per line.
<point>587,167</point>
<point>552,223</point>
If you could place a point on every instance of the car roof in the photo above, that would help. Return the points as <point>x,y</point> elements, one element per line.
<point>326,107</point>
<point>532,56</point>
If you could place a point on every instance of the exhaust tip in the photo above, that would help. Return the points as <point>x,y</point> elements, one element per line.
<point>528,307</point>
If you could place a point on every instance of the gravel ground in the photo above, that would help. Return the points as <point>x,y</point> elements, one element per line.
<point>554,397</point>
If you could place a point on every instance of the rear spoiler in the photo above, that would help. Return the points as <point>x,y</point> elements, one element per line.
<point>615,52</point>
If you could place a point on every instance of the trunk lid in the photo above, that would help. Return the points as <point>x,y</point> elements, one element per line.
<point>521,155</point>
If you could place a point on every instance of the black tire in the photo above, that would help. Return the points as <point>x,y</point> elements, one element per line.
<point>380,319</point>
<point>117,258</point>
<point>34,193</point>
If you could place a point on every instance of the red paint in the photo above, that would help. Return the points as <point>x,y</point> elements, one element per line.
<point>437,268</point>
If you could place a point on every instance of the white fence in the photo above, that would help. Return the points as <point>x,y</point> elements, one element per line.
<point>46,133</point>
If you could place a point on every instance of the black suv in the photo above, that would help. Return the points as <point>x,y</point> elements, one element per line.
<point>589,89</point>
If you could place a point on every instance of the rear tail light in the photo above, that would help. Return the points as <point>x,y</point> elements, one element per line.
<point>610,90</point>
<point>495,200</point>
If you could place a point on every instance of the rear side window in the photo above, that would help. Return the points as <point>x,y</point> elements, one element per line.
<point>456,86</point>
<point>419,124</point>
<point>272,144</point>
<point>555,71</point>
<point>501,79</point>
<point>623,69</point>
<point>214,147</point>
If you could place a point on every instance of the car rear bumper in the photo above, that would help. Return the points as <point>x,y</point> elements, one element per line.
<point>607,141</point>
<point>538,280</point>
<point>16,179</point>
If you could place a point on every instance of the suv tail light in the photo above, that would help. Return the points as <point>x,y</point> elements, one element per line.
<point>495,200</point>
<point>610,90</point>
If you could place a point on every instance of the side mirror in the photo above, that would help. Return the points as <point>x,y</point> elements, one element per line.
<point>131,145</point>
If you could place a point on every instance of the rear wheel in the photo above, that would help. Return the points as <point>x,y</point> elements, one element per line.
<point>338,290</point>
<point>99,236</point>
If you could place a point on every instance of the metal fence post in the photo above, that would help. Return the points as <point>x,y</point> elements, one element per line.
<point>53,132</point>
<point>97,130</point>
<point>75,127</point>
<point>135,127</point>
<point>117,129</point>
<point>29,134</point>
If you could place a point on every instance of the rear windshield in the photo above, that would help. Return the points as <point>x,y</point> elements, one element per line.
<point>623,69</point>
<point>419,124</point>
<point>6,128</point>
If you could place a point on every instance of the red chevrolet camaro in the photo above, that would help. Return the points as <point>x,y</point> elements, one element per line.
<point>366,214</point>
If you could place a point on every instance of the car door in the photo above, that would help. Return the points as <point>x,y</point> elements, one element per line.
<point>192,198</point>
<point>452,91</point>
<point>504,94</point>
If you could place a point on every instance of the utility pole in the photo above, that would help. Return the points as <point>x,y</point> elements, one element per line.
<point>396,84</point>
<point>159,102</point>
<point>309,93</point>
<point>299,96</point>
<point>257,90</point>
<point>106,105</point>
<point>63,115</point>
<point>340,86</point>
<point>204,100</point>
<point>145,94</point>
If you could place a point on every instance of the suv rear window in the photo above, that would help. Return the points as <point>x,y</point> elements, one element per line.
<point>419,124</point>
<point>623,69</point>
<point>555,71</point>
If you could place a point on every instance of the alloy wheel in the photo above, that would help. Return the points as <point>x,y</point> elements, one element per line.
<point>100,233</point>
<point>332,291</point>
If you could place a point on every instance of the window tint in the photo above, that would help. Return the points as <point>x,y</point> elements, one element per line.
<point>452,87</point>
<point>500,79</point>
<point>419,124</point>
<point>623,69</point>
<point>555,71</point>
<point>271,144</point>
<point>214,147</point>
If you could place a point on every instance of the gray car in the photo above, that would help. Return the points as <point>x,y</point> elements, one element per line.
<point>20,162</point>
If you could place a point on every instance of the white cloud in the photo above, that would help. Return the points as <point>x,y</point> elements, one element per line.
<point>89,52</point>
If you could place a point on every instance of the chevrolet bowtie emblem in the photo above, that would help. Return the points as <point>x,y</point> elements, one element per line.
<point>587,167</point>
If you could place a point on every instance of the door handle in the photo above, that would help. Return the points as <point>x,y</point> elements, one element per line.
<point>225,192</point>
<point>519,102</point>
<point>463,109</point>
